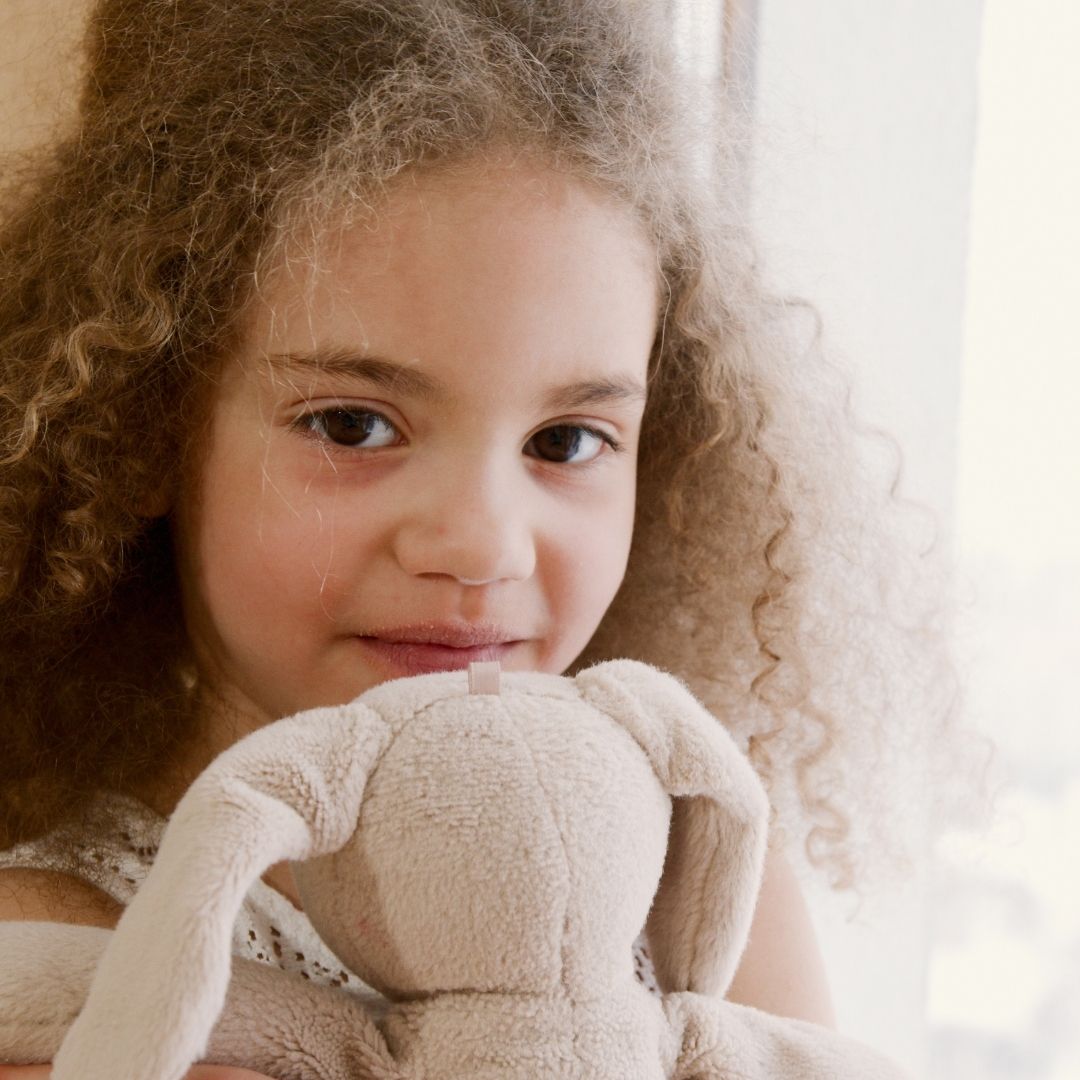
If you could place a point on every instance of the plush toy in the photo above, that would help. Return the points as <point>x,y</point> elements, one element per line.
<point>484,853</point>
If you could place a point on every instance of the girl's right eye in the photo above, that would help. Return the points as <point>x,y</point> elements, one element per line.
<point>349,427</point>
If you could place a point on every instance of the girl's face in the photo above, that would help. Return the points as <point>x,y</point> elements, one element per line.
<point>423,450</point>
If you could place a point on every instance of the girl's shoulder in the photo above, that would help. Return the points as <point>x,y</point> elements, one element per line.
<point>85,871</point>
<point>45,895</point>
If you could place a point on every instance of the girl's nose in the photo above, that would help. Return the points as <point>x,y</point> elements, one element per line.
<point>475,532</point>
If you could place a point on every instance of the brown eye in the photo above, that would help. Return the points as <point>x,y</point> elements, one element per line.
<point>571,444</point>
<point>350,427</point>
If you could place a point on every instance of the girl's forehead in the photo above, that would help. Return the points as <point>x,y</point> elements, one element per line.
<point>459,221</point>
<point>519,244</point>
<point>521,283</point>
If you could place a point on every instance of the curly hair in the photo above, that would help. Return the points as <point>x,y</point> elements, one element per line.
<point>769,569</point>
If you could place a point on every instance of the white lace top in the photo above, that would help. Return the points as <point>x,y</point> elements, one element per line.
<point>113,847</point>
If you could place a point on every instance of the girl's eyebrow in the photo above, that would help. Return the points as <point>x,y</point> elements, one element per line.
<point>410,382</point>
<point>384,373</point>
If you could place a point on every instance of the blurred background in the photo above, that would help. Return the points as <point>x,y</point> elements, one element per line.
<point>914,173</point>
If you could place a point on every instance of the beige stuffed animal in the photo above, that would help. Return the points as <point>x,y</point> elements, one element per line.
<point>485,857</point>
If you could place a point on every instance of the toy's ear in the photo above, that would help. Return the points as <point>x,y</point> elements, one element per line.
<point>700,917</point>
<point>291,790</point>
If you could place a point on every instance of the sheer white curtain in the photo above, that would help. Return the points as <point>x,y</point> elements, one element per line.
<point>1004,986</point>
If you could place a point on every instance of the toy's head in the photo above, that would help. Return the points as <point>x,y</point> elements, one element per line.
<point>506,842</point>
<point>509,840</point>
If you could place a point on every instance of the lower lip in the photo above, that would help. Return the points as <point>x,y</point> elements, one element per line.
<point>410,658</point>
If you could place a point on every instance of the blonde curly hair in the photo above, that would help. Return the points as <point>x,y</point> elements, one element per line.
<point>766,567</point>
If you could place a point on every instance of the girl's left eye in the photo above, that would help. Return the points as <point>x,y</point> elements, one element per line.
<point>349,427</point>
<point>571,444</point>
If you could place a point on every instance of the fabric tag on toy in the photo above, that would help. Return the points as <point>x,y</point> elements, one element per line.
<point>484,677</point>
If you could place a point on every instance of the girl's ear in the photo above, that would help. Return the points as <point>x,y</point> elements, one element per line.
<point>700,917</point>
<point>291,790</point>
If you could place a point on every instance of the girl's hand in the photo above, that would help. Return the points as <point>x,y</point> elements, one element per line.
<point>200,1072</point>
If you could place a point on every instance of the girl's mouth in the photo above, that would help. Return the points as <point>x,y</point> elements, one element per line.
<point>403,658</point>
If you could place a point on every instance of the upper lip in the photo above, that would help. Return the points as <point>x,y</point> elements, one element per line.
<point>456,634</point>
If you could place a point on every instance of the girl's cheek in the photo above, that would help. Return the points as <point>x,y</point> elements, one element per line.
<point>309,536</point>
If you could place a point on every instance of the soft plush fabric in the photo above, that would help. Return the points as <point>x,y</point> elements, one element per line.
<point>112,846</point>
<point>485,861</point>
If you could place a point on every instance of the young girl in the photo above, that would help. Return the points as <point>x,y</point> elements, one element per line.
<point>346,340</point>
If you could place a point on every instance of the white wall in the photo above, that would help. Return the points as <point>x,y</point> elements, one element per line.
<point>38,67</point>
<point>862,177</point>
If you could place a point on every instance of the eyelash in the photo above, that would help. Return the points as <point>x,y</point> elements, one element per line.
<point>305,425</point>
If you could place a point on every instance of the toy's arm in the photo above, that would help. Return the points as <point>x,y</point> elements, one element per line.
<point>291,790</point>
<point>44,979</point>
<point>272,1022</point>
<point>289,1028</point>
<point>721,1039</point>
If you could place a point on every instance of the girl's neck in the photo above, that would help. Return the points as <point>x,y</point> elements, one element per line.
<point>218,725</point>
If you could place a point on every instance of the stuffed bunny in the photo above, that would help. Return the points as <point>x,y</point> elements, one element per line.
<point>484,853</point>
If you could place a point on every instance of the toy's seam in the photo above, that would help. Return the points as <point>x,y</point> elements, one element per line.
<point>567,872</point>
